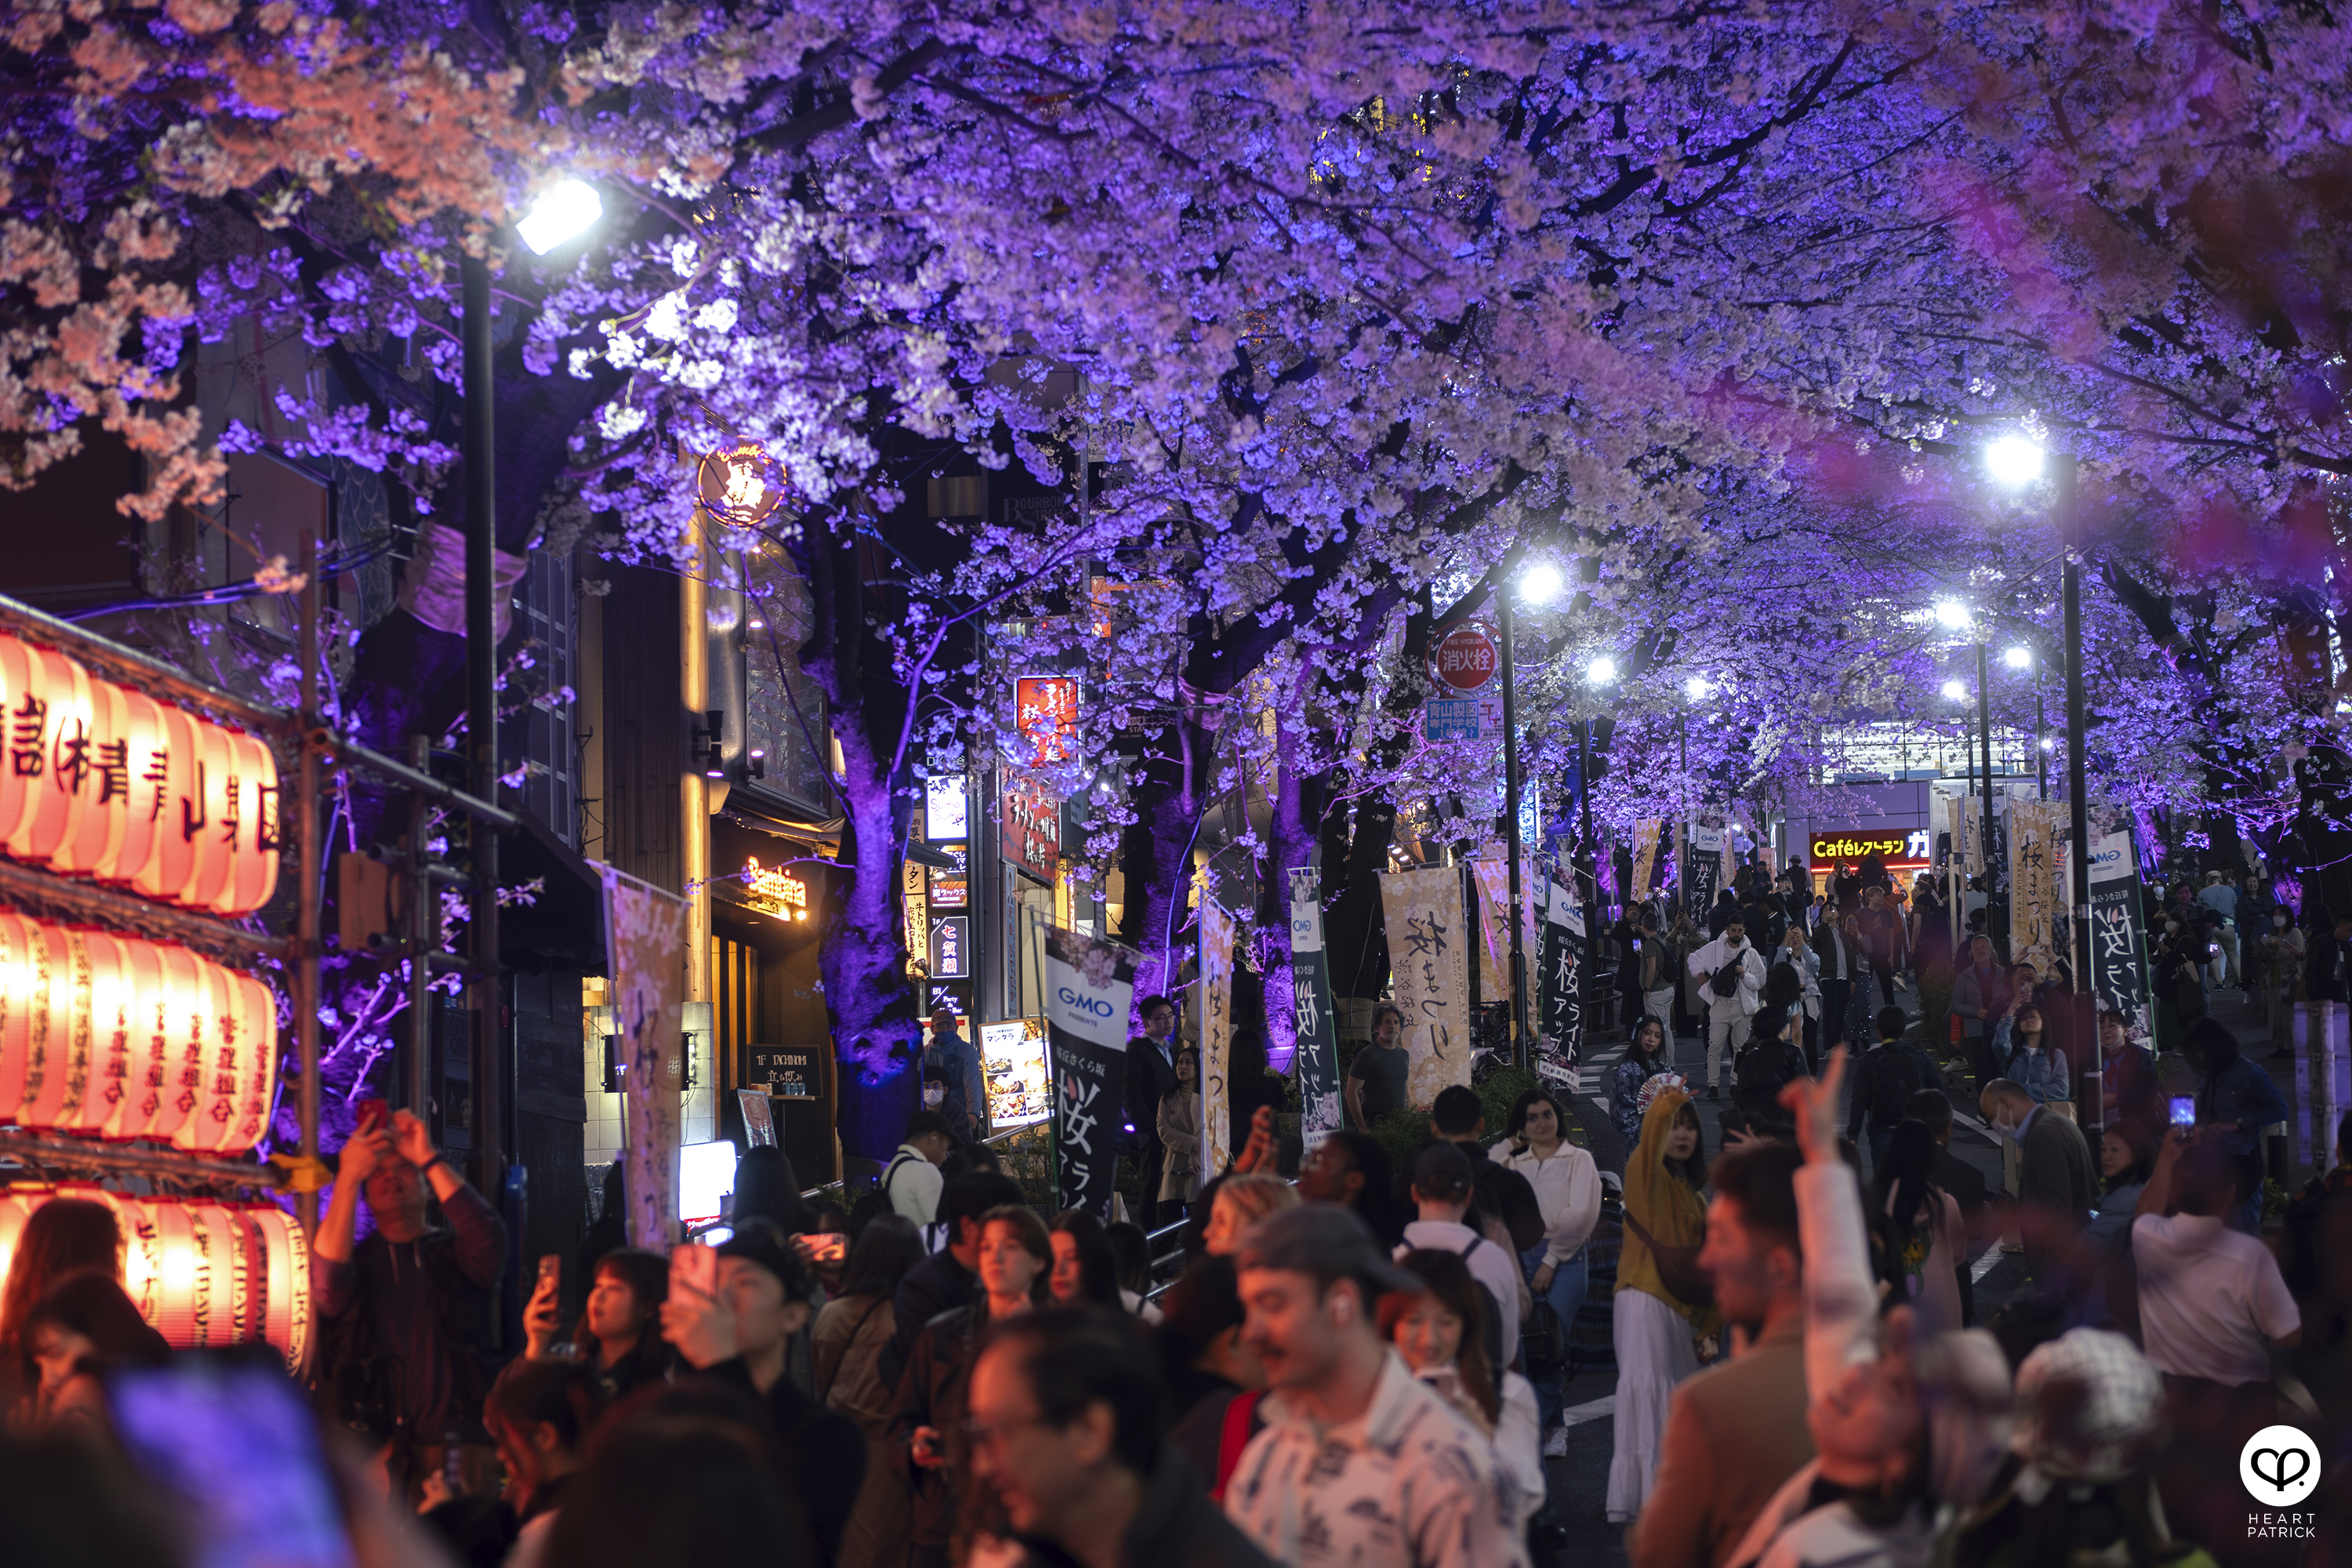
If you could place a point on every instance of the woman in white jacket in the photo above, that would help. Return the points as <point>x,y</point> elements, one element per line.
<point>1567,1191</point>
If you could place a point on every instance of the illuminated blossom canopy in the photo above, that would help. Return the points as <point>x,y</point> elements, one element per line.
<point>1343,301</point>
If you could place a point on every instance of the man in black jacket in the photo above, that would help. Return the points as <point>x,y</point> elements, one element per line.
<point>406,1313</point>
<point>738,1336</point>
<point>1151,1078</point>
<point>1885,1079</point>
<point>1066,1422</point>
<point>948,1277</point>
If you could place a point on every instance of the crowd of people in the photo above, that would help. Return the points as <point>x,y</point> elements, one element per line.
<point>1366,1365</point>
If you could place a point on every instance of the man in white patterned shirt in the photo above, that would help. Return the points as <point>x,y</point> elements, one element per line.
<point>1361,1463</point>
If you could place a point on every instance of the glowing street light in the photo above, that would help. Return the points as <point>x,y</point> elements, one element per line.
<point>1953,616</point>
<point>2019,659</point>
<point>1601,671</point>
<point>1542,584</point>
<point>1697,689</point>
<point>1955,692</point>
<point>2014,461</point>
<point>564,212</point>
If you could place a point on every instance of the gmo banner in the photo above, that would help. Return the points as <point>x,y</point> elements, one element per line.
<point>1090,991</point>
<point>1561,988</point>
<point>1318,1051</point>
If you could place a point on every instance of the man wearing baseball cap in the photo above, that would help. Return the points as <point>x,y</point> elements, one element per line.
<point>738,1334</point>
<point>1360,1462</point>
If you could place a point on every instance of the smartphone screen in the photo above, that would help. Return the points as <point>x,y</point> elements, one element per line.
<point>695,1267</point>
<point>550,1267</point>
<point>830,1248</point>
<point>2184,1110</point>
<point>373,1112</point>
<point>238,1443</point>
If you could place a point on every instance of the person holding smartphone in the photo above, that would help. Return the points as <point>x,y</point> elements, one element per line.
<point>406,1314</point>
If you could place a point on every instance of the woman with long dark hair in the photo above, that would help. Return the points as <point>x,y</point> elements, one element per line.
<point>1084,1269</point>
<point>1928,1239</point>
<point>1441,1333</point>
<point>63,1235</point>
<point>846,1344</point>
<point>1647,1053</point>
<point>83,1326</point>
<point>619,1331</point>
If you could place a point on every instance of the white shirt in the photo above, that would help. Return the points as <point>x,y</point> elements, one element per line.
<point>1407,1484</point>
<point>1568,1190</point>
<point>1491,1266</point>
<point>2210,1299</point>
<point>914,1182</point>
<point>1718,954</point>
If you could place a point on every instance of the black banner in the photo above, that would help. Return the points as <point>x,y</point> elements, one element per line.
<point>2118,943</point>
<point>1317,1041</point>
<point>1090,990</point>
<point>1702,852</point>
<point>1560,990</point>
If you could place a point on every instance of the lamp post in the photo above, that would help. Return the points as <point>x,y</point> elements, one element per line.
<point>2014,461</point>
<point>562,213</point>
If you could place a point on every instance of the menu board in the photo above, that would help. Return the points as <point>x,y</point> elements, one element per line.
<point>787,1072</point>
<point>1013,1059</point>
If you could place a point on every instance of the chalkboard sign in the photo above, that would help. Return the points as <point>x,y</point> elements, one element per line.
<point>788,1072</point>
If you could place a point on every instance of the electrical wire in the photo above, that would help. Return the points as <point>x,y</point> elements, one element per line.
<point>231,592</point>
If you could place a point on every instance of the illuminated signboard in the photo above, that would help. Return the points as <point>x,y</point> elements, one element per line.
<point>951,947</point>
<point>772,890</point>
<point>1046,709</point>
<point>1033,827</point>
<point>1897,848</point>
<point>945,814</point>
<point>948,889</point>
<point>1013,1061</point>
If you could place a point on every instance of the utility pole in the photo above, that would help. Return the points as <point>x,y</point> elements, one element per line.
<point>1511,813</point>
<point>2077,794</point>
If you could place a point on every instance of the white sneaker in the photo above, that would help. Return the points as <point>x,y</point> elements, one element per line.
<point>1556,1446</point>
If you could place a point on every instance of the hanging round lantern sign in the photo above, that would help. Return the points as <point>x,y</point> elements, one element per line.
<point>740,485</point>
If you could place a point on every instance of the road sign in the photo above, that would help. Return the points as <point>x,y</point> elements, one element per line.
<point>1465,658</point>
<point>1463,718</point>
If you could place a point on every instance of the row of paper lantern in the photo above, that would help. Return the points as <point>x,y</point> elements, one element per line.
<point>130,1039</point>
<point>99,781</point>
<point>205,1275</point>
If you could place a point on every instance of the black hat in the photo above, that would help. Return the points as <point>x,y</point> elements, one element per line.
<point>1442,1171</point>
<point>760,1240</point>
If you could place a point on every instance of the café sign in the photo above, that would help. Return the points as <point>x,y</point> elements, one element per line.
<point>1905,848</point>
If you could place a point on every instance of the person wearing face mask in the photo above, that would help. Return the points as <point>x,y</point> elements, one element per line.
<point>1731,981</point>
<point>912,1182</point>
<point>2278,954</point>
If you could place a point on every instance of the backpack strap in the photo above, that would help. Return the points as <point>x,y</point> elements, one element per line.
<point>1476,1243</point>
<point>1233,1436</point>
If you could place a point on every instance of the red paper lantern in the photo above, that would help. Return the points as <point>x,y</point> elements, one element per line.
<point>97,779</point>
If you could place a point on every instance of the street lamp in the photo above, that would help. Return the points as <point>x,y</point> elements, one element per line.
<point>1955,691</point>
<point>1542,584</point>
<point>2019,659</point>
<point>1539,585</point>
<point>1953,616</point>
<point>1697,689</point>
<point>1601,671</point>
<point>564,212</point>
<point>2014,461</point>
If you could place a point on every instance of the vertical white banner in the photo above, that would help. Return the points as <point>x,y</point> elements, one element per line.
<point>1216,1035</point>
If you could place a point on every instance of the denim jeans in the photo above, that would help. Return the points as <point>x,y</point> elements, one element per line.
<point>1565,1294</point>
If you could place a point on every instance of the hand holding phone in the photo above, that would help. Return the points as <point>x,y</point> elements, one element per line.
<point>832,1247</point>
<point>924,1448</point>
<point>373,1114</point>
<point>696,1319</point>
<point>2184,1110</point>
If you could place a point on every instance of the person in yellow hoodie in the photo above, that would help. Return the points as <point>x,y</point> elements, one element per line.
<point>1663,1307</point>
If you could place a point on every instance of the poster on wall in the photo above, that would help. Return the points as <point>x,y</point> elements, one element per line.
<point>1431,975</point>
<point>1089,993</point>
<point>759,1118</point>
<point>1216,1033</point>
<point>1013,1061</point>
<point>1317,1050</point>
